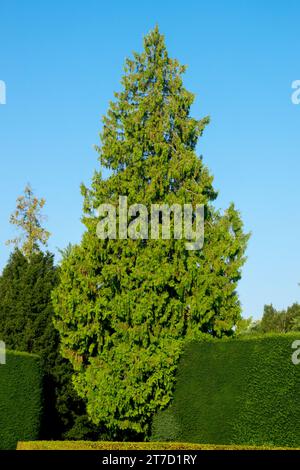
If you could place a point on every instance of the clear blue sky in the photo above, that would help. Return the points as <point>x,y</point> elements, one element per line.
<point>62,61</point>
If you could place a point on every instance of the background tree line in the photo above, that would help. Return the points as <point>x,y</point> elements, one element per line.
<point>272,321</point>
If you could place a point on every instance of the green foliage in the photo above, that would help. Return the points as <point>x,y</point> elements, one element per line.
<point>277,321</point>
<point>243,326</point>
<point>28,217</point>
<point>253,328</point>
<point>25,302</point>
<point>20,399</point>
<point>88,445</point>
<point>123,307</point>
<point>240,391</point>
<point>283,321</point>
<point>65,252</point>
<point>26,324</point>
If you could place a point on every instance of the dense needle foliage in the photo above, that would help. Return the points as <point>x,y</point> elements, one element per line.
<point>124,307</point>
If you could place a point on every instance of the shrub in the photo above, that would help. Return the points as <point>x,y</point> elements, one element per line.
<point>26,324</point>
<point>243,391</point>
<point>20,398</point>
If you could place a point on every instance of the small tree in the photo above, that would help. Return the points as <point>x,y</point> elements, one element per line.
<point>28,218</point>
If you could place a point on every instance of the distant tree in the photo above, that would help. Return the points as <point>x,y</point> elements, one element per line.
<point>280,321</point>
<point>296,324</point>
<point>28,217</point>
<point>254,327</point>
<point>272,320</point>
<point>292,317</point>
<point>123,307</point>
<point>243,326</point>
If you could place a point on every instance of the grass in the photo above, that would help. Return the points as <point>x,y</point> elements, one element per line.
<point>89,445</point>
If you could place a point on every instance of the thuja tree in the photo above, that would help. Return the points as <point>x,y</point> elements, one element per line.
<point>123,306</point>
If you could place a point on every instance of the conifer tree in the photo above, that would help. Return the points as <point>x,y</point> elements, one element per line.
<point>123,306</point>
<point>26,320</point>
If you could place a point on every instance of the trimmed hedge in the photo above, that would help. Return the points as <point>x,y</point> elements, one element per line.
<point>242,391</point>
<point>20,399</point>
<point>88,445</point>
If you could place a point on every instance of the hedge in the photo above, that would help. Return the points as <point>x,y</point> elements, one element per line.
<point>89,445</point>
<point>243,391</point>
<point>20,399</point>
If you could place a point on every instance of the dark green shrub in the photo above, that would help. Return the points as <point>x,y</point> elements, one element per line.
<point>20,399</point>
<point>240,391</point>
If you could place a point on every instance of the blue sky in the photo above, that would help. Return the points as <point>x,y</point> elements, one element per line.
<point>62,61</point>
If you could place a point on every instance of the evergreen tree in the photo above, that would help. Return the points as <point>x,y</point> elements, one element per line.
<point>26,315</point>
<point>25,301</point>
<point>280,321</point>
<point>124,307</point>
<point>26,324</point>
<point>26,320</point>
